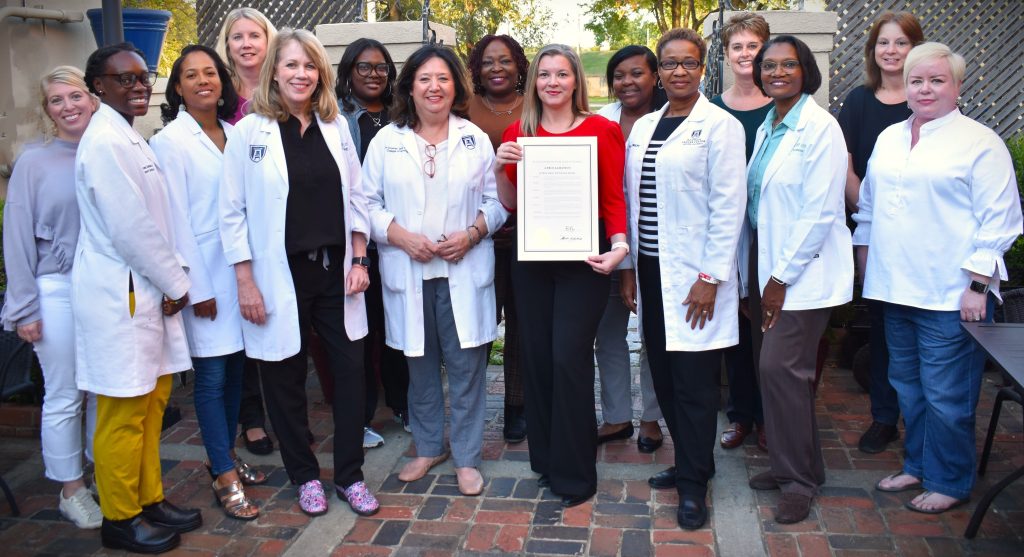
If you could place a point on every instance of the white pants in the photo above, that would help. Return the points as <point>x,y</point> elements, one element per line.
<point>62,403</point>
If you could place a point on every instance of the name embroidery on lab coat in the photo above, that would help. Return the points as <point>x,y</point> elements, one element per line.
<point>695,139</point>
<point>395,149</point>
<point>257,152</point>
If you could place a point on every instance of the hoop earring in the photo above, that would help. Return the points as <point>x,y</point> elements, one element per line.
<point>220,101</point>
<point>660,86</point>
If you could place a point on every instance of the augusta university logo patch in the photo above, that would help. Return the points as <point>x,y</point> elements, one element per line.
<point>257,152</point>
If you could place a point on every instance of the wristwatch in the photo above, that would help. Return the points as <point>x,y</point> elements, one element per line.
<point>979,287</point>
<point>364,261</point>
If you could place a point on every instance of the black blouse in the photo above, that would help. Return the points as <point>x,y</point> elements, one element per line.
<point>314,215</point>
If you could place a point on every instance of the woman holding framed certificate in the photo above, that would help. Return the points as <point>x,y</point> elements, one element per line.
<point>686,192</point>
<point>559,317</point>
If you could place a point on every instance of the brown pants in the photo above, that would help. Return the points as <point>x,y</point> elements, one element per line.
<point>786,357</point>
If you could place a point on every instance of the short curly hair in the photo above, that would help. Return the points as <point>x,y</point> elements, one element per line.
<point>476,59</point>
<point>97,62</point>
<point>683,34</point>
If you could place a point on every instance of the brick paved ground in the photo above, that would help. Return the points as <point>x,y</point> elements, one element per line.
<point>513,516</point>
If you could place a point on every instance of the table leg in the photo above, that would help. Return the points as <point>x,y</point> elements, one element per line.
<point>979,512</point>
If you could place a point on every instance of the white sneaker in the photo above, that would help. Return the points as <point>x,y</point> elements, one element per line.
<point>81,509</point>
<point>371,439</point>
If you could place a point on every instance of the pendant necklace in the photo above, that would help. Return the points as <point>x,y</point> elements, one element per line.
<point>376,120</point>
<point>496,112</point>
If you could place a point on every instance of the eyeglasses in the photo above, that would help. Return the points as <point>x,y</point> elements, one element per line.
<point>128,79</point>
<point>788,66</point>
<point>365,68</point>
<point>688,64</point>
<point>429,167</point>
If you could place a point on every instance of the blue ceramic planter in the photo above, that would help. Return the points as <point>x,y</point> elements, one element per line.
<point>145,29</point>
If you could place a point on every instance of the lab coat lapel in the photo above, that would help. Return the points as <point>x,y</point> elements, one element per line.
<point>197,130</point>
<point>331,135</point>
<point>275,148</point>
<point>780,155</point>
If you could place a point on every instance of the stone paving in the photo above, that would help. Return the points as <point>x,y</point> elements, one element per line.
<point>515,517</point>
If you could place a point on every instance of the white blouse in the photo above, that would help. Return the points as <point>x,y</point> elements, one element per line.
<point>932,213</point>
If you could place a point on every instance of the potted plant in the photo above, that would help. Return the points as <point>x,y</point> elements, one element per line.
<point>144,28</point>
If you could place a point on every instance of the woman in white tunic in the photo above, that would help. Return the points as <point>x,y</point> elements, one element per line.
<point>200,98</point>
<point>127,287</point>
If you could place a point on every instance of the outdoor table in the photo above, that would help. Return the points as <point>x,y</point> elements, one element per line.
<point>1004,344</point>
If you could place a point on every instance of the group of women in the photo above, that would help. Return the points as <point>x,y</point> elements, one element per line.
<point>355,214</point>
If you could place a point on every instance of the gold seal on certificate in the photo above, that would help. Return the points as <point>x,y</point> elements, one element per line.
<point>557,199</point>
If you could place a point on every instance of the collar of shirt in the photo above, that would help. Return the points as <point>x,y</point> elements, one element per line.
<point>792,117</point>
<point>292,127</point>
<point>929,127</point>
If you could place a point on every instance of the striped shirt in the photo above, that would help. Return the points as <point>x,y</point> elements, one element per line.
<point>648,225</point>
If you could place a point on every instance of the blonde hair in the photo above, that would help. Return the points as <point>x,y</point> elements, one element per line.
<point>266,99</point>
<point>532,107</point>
<point>232,18</point>
<point>67,75</point>
<point>925,52</point>
<point>746,21</point>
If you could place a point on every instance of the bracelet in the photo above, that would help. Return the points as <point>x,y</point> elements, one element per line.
<point>708,278</point>
<point>479,235</point>
<point>621,245</point>
<point>777,281</point>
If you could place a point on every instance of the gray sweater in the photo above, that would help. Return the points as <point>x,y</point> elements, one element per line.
<point>41,224</point>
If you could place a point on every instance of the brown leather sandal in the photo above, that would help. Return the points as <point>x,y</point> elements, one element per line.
<point>235,503</point>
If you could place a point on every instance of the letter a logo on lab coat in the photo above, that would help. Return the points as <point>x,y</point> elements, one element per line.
<point>257,152</point>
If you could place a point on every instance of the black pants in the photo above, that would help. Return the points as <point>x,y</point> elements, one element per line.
<point>686,384</point>
<point>379,359</point>
<point>250,411</point>
<point>320,295</point>
<point>560,306</point>
<point>744,404</point>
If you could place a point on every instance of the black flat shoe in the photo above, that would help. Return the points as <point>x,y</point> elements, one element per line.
<point>666,479</point>
<point>624,433</point>
<point>648,445</point>
<point>169,516</point>
<point>261,446</point>
<point>692,513</point>
<point>573,500</point>
<point>515,425</point>
<point>137,535</point>
<point>543,481</point>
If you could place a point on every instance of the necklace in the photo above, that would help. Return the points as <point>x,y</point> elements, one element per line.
<point>376,119</point>
<point>497,112</point>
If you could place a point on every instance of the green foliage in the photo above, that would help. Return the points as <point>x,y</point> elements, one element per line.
<point>183,29</point>
<point>1015,257</point>
<point>497,355</point>
<point>528,20</point>
<point>594,64</point>
<point>621,22</point>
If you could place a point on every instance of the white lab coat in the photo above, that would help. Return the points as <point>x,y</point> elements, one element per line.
<point>801,219</point>
<point>393,180</point>
<point>192,165</point>
<point>253,194</point>
<point>127,237</point>
<point>702,196</point>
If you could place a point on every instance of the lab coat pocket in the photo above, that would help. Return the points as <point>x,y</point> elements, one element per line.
<point>482,263</point>
<point>394,268</point>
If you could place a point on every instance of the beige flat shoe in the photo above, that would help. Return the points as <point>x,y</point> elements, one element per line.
<point>419,466</point>
<point>471,483</point>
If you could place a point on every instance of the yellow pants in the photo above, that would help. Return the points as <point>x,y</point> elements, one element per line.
<point>126,447</point>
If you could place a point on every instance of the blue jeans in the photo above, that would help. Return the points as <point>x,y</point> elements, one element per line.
<point>885,407</point>
<point>218,393</point>
<point>935,367</point>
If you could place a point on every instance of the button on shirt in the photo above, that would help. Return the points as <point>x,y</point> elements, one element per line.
<point>314,213</point>
<point>765,153</point>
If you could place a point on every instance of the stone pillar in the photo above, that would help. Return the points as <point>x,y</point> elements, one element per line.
<point>816,28</point>
<point>401,38</point>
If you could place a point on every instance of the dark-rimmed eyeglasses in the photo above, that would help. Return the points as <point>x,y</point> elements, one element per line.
<point>787,66</point>
<point>429,166</point>
<point>688,64</point>
<point>365,68</point>
<point>128,79</point>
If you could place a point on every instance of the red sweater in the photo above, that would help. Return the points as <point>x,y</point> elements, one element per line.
<point>611,162</point>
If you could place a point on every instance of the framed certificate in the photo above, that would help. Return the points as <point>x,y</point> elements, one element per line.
<point>556,199</point>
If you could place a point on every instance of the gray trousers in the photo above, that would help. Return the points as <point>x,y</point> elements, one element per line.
<point>612,352</point>
<point>786,366</point>
<point>466,369</point>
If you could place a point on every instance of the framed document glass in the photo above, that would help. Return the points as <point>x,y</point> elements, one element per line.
<point>556,199</point>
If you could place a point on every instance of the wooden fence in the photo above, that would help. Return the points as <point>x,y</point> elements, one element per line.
<point>988,33</point>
